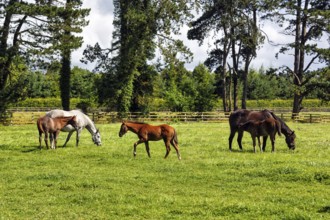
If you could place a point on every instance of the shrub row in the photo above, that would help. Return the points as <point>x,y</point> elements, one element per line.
<point>51,102</point>
<point>159,104</point>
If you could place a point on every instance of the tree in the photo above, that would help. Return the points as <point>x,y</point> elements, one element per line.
<point>33,33</point>
<point>235,26</point>
<point>70,18</point>
<point>140,28</point>
<point>83,84</point>
<point>307,22</point>
<point>204,81</point>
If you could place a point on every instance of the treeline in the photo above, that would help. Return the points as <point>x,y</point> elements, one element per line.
<point>194,91</point>
<point>37,38</point>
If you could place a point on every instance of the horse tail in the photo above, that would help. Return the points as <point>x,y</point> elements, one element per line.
<point>175,138</point>
<point>278,127</point>
<point>39,125</point>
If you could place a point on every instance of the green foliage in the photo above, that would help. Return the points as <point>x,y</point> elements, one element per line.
<point>210,182</point>
<point>52,103</point>
<point>15,88</point>
<point>204,82</point>
<point>83,83</point>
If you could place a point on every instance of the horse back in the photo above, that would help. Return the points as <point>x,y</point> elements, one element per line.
<point>237,117</point>
<point>82,120</point>
<point>45,123</point>
<point>158,132</point>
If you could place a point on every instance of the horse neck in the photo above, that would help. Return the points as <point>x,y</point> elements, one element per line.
<point>134,127</point>
<point>285,129</point>
<point>91,127</point>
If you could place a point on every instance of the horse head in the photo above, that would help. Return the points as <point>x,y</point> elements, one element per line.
<point>96,137</point>
<point>290,140</point>
<point>123,129</point>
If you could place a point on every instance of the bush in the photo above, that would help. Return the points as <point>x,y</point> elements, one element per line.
<point>52,103</point>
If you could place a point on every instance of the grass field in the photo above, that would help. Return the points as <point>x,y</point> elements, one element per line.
<point>106,182</point>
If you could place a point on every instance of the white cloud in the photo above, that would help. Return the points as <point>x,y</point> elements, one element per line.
<point>99,30</point>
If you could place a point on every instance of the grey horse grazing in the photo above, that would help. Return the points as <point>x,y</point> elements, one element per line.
<point>82,122</point>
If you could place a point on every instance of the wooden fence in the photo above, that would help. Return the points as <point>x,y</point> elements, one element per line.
<point>20,118</point>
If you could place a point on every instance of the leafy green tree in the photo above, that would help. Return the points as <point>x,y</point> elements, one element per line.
<point>261,86</point>
<point>15,89</point>
<point>140,28</point>
<point>235,26</point>
<point>307,21</point>
<point>205,98</point>
<point>177,87</point>
<point>83,83</point>
<point>36,31</point>
<point>70,18</point>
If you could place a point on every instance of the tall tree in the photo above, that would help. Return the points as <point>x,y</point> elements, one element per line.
<point>140,28</point>
<point>235,28</point>
<point>307,22</point>
<point>69,19</point>
<point>32,31</point>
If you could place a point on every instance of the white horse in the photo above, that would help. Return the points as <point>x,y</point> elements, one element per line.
<point>82,122</point>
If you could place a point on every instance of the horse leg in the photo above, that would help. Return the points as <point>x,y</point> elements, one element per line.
<point>136,144</point>
<point>55,138</point>
<point>78,136</point>
<point>51,137</point>
<point>264,141</point>
<point>40,139</point>
<point>239,139</point>
<point>231,137</point>
<point>168,147</point>
<point>254,143</point>
<point>272,139</point>
<point>46,139</point>
<point>176,147</point>
<point>259,144</point>
<point>68,138</point>
<point>147,148</point>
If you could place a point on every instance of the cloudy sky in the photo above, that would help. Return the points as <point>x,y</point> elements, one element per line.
<point>100,30</point>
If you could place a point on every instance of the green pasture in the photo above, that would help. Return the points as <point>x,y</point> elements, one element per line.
<point>106,182</point>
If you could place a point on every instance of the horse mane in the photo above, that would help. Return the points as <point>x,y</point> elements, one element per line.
<point>284,126</point>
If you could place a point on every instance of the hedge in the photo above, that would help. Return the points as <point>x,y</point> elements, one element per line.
<point>159,104</point>
<point>51,102</point>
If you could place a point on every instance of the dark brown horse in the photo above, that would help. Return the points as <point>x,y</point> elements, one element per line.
<point>242,115</point>
<point>147,133</point>
<point>269,126</point>
<point>52,126</point>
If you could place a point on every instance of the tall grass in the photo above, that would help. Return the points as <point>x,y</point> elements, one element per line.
<point>106,182</point>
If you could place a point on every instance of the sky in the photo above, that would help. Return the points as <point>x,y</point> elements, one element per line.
<point>100,30</point>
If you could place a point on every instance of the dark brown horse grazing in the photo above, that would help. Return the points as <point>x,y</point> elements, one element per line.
<point>242,115</point>
<point>269,126</point>
<point>53,126</point>
<point>147,133</point>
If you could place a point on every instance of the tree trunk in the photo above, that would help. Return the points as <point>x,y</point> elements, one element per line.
<point>65,80</point>
<point>296,80</point>
<point>245,82</point>
<point>235,68</point>
<point>223,76</point>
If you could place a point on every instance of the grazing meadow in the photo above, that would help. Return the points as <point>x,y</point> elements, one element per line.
<point>106,182</point>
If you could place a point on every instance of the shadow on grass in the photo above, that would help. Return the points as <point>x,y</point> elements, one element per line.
<point>28,149</point>
<point>325,209</point>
